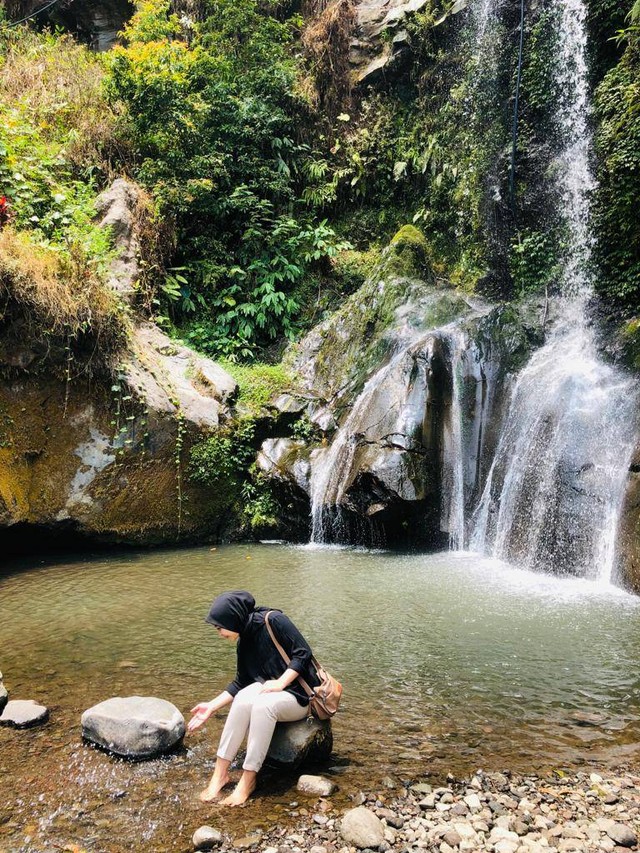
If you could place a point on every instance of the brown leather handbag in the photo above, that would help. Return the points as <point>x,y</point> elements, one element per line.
<point>323,699</point>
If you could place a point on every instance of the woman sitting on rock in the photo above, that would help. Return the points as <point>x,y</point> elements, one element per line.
<point>265,690</point>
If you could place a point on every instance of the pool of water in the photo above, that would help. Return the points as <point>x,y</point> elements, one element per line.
<point>450,662</point>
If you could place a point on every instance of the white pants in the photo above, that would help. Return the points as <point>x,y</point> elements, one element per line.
<point>254,715</point>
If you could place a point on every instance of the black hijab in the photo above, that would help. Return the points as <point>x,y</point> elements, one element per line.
<point>232,610</point>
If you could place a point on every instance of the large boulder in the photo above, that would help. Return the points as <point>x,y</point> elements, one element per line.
<point>134,726</point>
<point>306,740</point>
<point>117,209</point>
<point>380,45</point>
<point>405,385</point>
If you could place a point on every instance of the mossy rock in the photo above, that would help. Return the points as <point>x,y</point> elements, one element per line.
<point>408,254</point>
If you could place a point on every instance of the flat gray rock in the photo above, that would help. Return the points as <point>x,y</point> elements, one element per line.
<point>23,713</point>
<point>361,828</point>
<point>622,835</point>
<point>293,743</point>
<point>134,726</point>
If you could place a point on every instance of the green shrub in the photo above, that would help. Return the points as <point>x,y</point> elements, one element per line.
<point>617,200</point>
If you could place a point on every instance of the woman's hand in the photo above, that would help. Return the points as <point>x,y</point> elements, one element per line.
<point>201,713</point>
<point>272,686</point>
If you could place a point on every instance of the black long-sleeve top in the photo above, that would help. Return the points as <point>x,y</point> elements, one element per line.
<point>260,660</point>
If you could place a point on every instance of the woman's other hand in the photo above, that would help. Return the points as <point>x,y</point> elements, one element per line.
<point>201,713</point>
<point>272,686</point>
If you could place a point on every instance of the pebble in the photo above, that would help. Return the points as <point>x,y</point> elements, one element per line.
<point>248,841</point>
<point>316,786</point>
<point>206,837</point>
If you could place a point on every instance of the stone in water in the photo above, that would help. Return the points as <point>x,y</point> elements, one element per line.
<point>23,713</point>
<point>206,837</point>
<point>293,743</point>
<point>134,726</point>
<point>316,786</point>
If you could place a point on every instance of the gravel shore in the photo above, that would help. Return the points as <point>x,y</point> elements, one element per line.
<point>498,812</point>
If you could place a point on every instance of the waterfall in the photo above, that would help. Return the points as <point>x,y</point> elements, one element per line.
<point>453,503</point>
<point>551,497</point>
<point>553,494</point>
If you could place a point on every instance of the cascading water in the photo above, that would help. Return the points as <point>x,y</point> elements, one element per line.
<point>553,494</point>
<point>452,511</point>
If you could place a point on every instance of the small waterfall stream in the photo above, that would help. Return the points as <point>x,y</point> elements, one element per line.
<point>554,492</point>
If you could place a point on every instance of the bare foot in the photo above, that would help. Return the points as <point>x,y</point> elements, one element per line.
<point>214,789</point>
<point>241,793</point>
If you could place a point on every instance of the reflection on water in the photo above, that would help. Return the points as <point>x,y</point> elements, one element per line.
<point>450,662</point>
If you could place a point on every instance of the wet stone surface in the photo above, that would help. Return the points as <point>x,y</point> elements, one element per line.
<point>23,713</point>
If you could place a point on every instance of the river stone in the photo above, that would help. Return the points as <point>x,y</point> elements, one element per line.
<point>134,726</point>
<point>361,828</point>
<point>4,696</point>
<point>622,835</point>
<point>23,713</point>
<point>317,786</point>
<point>307,739</point>
<point>206,837</point>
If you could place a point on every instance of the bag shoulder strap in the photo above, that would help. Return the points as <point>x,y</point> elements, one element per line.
<point>284,655</point>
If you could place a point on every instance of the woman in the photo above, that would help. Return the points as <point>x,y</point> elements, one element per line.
<point>265,690</point>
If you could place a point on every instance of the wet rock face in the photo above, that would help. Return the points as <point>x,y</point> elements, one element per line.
<point>406,384</point>
<point>629,529</point>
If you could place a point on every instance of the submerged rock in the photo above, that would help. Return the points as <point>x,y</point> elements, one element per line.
<point>306,740</point>
<point>23,713</point>
<point>134,726</point>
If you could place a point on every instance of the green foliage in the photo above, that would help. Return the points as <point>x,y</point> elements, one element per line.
<point>224,464</point>
<point>535,261</point>
<point>617,201</point>
<point>258,384</point>
<point>260,507</point>
<point>213,117</point>
<point>225,456</point>
<point>49,143</point>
